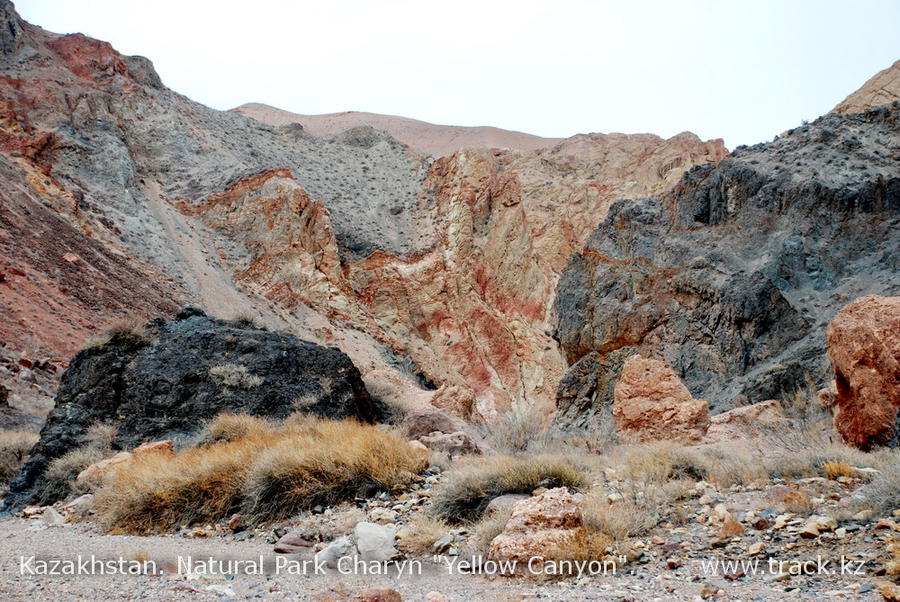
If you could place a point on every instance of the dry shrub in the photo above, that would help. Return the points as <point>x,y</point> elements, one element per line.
<point>127,327</point>
<point>100,435</point>
<point>663,461</point>
<point>835,469</point>
<point>14,447</point>
<point>419,535</point>
<point>267,474</point>
<point>812,462</point>
<point>520,429</point>
<point>229,426</point>
<point>235,376</point>
<point>59,478</point>
<point>882,494</point>
<point>474,483</point>
<point>489,527</point>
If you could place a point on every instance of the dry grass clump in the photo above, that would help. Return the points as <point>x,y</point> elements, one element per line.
<point>59,478</point>
<point>100,435</point>
<point>235,376</point>
<point>662,461</point>
<point>834,469</point>
<point>490,527</point>
<point>420,534</point>
<point>14,447</point>
<point>129,326</point>
<point>229,426</point>
<point>882,494</point>
<point>267,474</point>
<point>472,485</point>
<point>812,462</point>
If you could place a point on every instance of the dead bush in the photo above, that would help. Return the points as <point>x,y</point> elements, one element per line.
<point>474,483</point>
<point>520,429</point>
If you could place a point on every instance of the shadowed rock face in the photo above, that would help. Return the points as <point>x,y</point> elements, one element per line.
<point>732,277</point>
<point>165,385</point>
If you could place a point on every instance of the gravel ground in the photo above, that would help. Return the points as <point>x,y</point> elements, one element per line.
<point>24,538</point>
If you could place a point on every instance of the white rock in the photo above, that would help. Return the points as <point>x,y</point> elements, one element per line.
<point>333,552</point>
<point>374,542</point>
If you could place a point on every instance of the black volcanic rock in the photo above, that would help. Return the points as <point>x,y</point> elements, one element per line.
<point>165,383</point>
<point>733,276</point>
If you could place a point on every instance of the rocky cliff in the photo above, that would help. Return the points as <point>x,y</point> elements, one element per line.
<point>882,88</point>
<point>352,239</point>
<point>733,276</point>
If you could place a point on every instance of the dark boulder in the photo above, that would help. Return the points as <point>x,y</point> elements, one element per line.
<point>733,276</point>
<point>165,382</point>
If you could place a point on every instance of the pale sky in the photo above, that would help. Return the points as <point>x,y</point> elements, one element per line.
<point>742,71</point>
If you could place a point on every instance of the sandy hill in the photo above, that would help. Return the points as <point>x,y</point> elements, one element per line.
<point>880,89</point>
<point>433,139</point>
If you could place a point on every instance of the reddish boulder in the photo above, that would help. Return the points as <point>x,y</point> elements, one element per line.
<point>864,347</point>
<point>539,526</point>
<point>651,403</point>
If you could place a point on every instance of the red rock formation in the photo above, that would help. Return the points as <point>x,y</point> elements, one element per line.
<point>539,526</point>
<point>652,404</point>
<point>864,347</point>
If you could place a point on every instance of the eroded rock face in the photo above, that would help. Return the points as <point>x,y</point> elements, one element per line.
<point>167,382</point>
<point>732,277</point>
<point>539,526</point>
<point>652,404</point>
<point>864,347</point>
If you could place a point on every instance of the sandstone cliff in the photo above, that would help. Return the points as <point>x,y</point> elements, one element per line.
<point>882,88</point>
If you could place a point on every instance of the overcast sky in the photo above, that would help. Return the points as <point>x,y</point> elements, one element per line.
<point>742,71</point>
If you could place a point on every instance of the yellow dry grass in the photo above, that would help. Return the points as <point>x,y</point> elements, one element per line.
<point>265,471</point>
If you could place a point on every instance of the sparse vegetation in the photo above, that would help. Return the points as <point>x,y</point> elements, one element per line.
<point>61,473</point>
<point>419,536</point>
<point>268,473</point>
<point>882,494</point>
<point>14,447</point>
<point>235,376</point>
<point>489,527</point>
<point>521,428</point>
<point>128,327</point>
<point>474,483</point>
